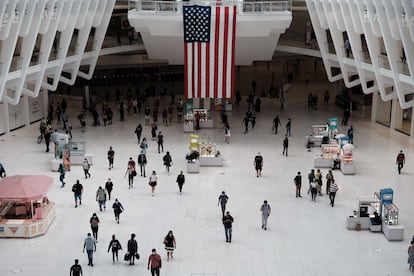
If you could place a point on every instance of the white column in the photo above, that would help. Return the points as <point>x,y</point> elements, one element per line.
<point>412,124</point>
<point>6,117</point>
<point>374,107</point>
<point>25,108</point>
<point>45,102</point>
<point>394,114</point>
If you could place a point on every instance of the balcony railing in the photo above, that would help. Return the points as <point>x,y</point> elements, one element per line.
<point>243,7</point>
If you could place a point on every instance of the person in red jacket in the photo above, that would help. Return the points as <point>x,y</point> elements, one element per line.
<point>154,263</point>
<point>400,161</point>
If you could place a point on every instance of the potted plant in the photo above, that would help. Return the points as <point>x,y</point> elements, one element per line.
<point>192,156</point>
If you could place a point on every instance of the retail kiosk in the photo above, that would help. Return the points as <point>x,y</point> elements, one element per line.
<point>382,204</point>
<point>327,156</point>
<point>319,136</point>
<point>204,115</point>
<point>210,156</point>
<point>188,122</point>
<point>347,163</point>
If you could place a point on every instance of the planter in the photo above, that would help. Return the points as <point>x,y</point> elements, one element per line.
<point>193,167</point>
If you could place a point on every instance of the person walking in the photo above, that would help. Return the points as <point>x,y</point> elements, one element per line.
<point>160,142</point>
<point>167,162</point>
<point>77,190</point>
<point>351,135</point>
<point>142,162</point>
<point>246,120</point>
<point>109,187</point>
<point>131,173</point>
<point>55,139</point>
<point>298,184</point>
<point>111,155</point>
<point>333,188</point>
<point>314,190</point>
<point>48,133</point>
<point>180,181</point>
<point>411,257</point>
<point>61,171</point>
<point>154,131</point>
<point>90,246</point>
<point>329,177</point>
<point>138,132</point>
<point>276,123</point>
<point>154,263</point>
<point>228,224</point>
<point>144,145</point>
<point>400,161</point>
<point>153,182</point>
<point>222,201</point>
<point>285,146</point>
<point>266,210</point>
<point>76,269</point>
<point>101,198</point>
<point>2,171</point>
<point>116,246</point>
<point>94,221</point>
<point>311,178</point>
<point>318,180</point>
<point>227,134</point>
<point>258,164</point>
<point>86,166</point>
<point>288,127</point>
<point>346,116</point>
<point>132,249</point>
<point>118,209</point>
<point>170,245</point>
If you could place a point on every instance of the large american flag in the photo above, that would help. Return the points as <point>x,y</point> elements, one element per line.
<point>209,43</point>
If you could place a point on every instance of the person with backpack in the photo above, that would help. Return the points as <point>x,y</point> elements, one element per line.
<point>116,246</point>
<point>167,161</point>
<point>77,190</point>
<point>101,198</point>
<point>86,166</point>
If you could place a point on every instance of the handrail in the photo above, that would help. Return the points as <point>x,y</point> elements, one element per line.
<point>243,7</point>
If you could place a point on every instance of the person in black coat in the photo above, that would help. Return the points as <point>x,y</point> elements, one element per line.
<point>180,181</point>
<point>132,249</point>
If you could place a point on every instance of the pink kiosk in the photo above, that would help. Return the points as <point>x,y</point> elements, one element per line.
<point>25,211</point>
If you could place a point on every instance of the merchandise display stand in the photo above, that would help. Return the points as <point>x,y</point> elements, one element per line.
<point>209,156</point>
<point>347,163</point>
<point>377,214</point>
<point>188,122</point>
<point>319,136</point>
<point>326,158</point>
<point>205,120</point>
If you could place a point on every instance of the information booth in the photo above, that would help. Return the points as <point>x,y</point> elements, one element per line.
<point>319,136</point>
<point>25,210</point>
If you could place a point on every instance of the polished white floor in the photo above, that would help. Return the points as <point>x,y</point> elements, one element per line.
<point>304,238</point>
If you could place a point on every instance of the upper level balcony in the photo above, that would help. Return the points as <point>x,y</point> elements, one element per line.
<point>258,27</point>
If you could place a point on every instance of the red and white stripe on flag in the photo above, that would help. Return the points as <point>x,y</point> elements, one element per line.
<point>209,67</point>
